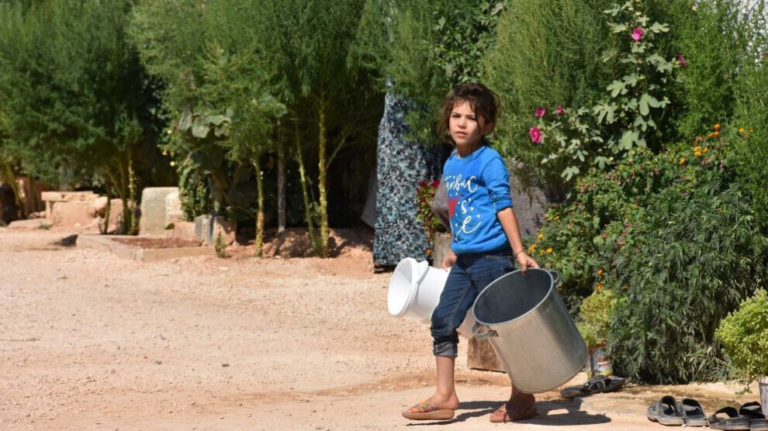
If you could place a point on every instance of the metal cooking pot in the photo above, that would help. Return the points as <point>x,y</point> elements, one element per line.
<point>529,327</point>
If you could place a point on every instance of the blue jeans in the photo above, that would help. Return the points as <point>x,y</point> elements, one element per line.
<point>468,277</point>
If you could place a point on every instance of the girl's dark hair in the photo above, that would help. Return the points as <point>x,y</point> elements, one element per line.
<point>483,101</point>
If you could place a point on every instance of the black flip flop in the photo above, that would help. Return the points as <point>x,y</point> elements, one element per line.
<point>594,386</point>
<point>693,413</point>
<point>666,412</point>
<point>728,418</point>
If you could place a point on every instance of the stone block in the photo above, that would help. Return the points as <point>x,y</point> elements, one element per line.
<point>183,230</point>
<point>75,213</point>
<point>152,221</point>
<point>203,227</point>
<point>208,228</point>
<point>173,211</point>
<point>226,228</point>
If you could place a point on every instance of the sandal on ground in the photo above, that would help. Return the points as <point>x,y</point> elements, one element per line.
<point>752,410</point>
<point>728,418</point>
<point>594,386</point>
<point>516,415</point>
<point>423,411</point>
<point>693,413</point>
<point>666,412</point>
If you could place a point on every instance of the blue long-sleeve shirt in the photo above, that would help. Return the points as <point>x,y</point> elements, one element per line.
<point>478,188</point>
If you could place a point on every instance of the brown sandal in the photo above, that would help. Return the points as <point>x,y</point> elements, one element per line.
<point>423,411</point>
<point>516,415</point>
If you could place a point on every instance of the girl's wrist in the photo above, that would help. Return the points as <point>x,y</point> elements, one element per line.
<point>521,251</point>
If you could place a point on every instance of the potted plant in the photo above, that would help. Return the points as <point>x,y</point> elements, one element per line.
<point>744,334</point>
<point>593,322</point>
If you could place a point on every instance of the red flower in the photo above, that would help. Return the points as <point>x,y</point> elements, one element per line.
<point>637,34</point>
<point>681,60</point>
<point>559,110</point>
<point>540,112</point>
<point>535,134</point>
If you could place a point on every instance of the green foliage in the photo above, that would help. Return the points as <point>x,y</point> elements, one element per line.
<point>718,43</point>
<point>682,273</point>
<point>750,128</point>
<point>423,49</point>
<point>585,234</point>
<point>545,54</point>
<point>596,315</point>
<point>220,244</point>
<point>77,107</point>
<point>744,334</point>
<point>425,193</point>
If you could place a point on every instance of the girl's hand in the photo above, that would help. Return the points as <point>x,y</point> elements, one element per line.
<point>525,261</point>
<point>449,260</point>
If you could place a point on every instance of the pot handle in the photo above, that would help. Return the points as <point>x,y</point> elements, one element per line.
<point>481,332</point>
<point>556,278</point>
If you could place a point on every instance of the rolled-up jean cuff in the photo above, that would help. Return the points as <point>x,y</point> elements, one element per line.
<point>445,348</point>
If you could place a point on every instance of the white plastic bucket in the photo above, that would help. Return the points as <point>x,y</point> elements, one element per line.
<point>415,288</point>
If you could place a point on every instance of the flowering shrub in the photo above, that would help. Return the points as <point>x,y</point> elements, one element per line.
<point>652,231</point>
<point>629,117</point>
<point>425,192</point>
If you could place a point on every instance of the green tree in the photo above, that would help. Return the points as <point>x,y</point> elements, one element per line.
<point>420,50</point>
<point>77,106</point>
<point>331,105</point>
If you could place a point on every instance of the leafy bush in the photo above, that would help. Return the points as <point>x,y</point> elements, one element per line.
<point>596,315</point>
<point>744,334</point>
<point>696,252</point>
<point>580,239</point>
<point>717,41</point>
<point>425,192</point>
<point>750,133</point>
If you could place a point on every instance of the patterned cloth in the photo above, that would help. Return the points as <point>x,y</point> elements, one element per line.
<point>400,165</point>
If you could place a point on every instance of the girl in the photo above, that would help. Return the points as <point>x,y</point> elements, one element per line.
<point>485,242</point>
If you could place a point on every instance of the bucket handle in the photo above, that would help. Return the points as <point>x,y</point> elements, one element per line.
<point>482,332</point>
<point>556,278</point>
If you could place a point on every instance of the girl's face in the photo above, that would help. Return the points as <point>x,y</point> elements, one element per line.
<point>466,128</point>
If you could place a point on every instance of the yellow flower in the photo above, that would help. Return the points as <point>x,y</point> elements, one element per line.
<point>173,163</point>
<point>697,154</point>
<point>696,148</point>
<point>599,272</point>
<point>532,248</point>
<point>714,134</point>
<point>169,131</point>
<point>539,237</point>
<point>599,287</point>
<point>682,160</point>
<point>741,130</point>
<point>716,126</point>
<point>549,250</point>
<point>557,218</point>
<point>705,150</point>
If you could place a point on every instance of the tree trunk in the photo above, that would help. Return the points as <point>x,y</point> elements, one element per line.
<point>280,181</point>
<point>258,242</point>
<point>304,192</point>
<point>132,222</point>
<point>321,178</point>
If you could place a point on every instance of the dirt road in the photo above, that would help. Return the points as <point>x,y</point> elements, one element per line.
<point>90,341</point>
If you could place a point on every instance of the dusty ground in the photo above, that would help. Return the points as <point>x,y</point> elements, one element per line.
<point>89,341</point>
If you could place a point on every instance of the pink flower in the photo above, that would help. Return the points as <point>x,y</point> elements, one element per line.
<point>540,112</point>
<point>637,34</point>
<point>559,110</point>
<point>535,134</point>
<point>681,60</point>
